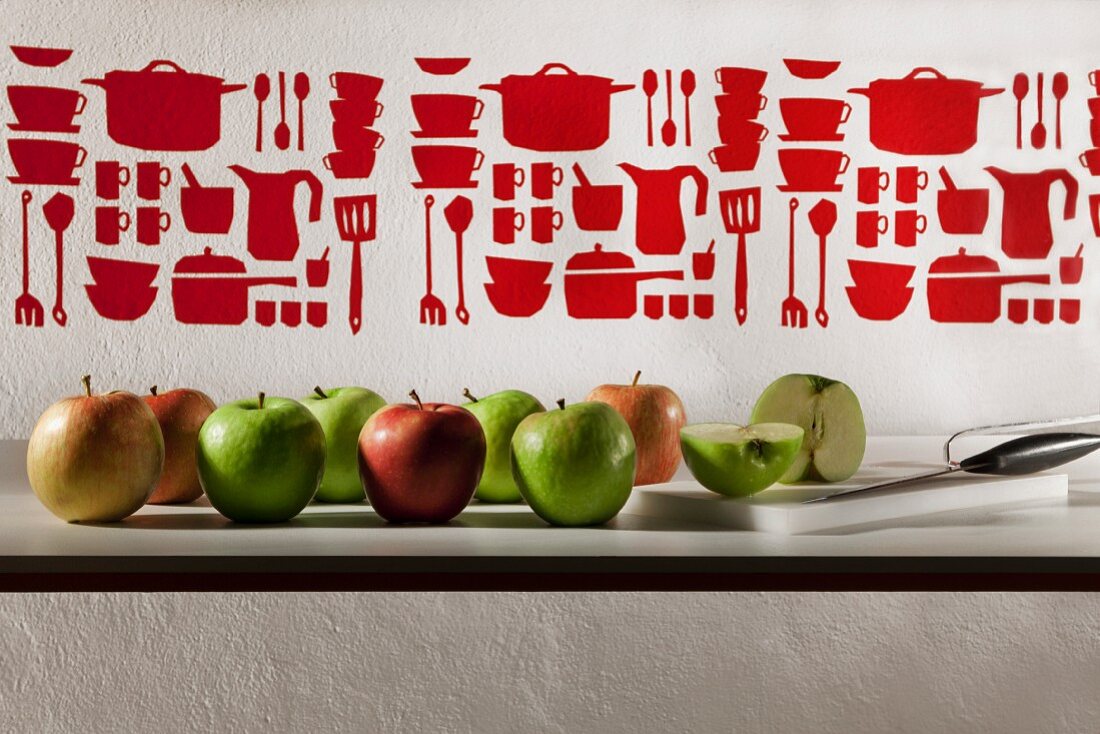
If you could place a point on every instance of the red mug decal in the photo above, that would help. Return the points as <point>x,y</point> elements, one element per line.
<point>352,85</point>
<point>109,177</point>
<point>352,136</point>
<point>907,225</point>
<point>45,162</point>
<point>737,157</point>
<point>355,111</point>
<point>738,79</point>
<point>1094,213</point>
<point>1043,310</point>
<point>1094,79</point>
<point>545,220</point>
<point>109,222</point>
<point>506,222</point>
<point>446,115</point>
<point>740,106</point>
<point>872,181</point>
<point>869,225</point>
<point>809,118</point>
<point>45,109</point>
<point>1094,131</point>
<point>1090,159</point>
<point>1069,310</point>
<point>317,314</point>
<point>910,180</point>
<point>350,163</point>
<point>507,177</point>
<point>812,169</point>
<point>653,306</point>
<point>151,223</point>
<point>544,178</point>
<point>446,166</point>
<point>265,313</point>
<point>732,131</point>
<point>151,177</point>
<point>1018,309</point>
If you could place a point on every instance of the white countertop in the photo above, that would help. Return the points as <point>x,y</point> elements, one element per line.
<point>484,538</point>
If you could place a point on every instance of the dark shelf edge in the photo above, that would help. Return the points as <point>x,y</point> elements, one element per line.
<point>621,573</point>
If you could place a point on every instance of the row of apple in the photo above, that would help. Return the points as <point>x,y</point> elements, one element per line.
<point>100,458</point>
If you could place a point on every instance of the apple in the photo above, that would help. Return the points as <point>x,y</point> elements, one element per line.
<point>342,412</point>
<point>261,459</point>
<point>830,414</point>
<point>180,414</point>
<point>499,414</point>
<point>95,458</point>
<point>739,461</point>
<point>422,462</point>
<point>575,465</point>
<point>655,416</point>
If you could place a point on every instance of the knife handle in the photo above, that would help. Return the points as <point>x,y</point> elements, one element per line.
<point>1030,454</point>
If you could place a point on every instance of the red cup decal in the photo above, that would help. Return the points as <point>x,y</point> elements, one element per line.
<point>907,225</point>
<point>151,178</point>
<point>703,305</point>
<point>910,181</point>
<point>872,181</point>
<point>151,223</point>
<point>109,177</point>
<point>702,265</point>
<point>109,222</point>
<point>653,306</point>
<point>507,177</point>
<point>869,225</point>
<point>1069,310</point>
<point>317,314</point>
<point>265,313</point>
<point>506,222</point>
<point>290,313</point>
<point>544,178</point>
<point>1017,310</point>
<point>1043,310</point>
<point>545,220</point>
<point>678,306</point>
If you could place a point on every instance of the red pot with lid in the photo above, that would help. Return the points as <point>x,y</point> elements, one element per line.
<point>604,285</point>
<point>163,107</point>
<point>924,112</point>
<point>556,109</point>
<point>964,288</point>
<point>213,289</point>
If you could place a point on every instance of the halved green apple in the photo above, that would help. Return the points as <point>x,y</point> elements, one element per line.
<point>832,418</point>
<point>739,461</point>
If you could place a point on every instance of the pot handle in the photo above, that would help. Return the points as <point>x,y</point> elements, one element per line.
<point>620,87</point>
<point>989,91</point>
<point>670,274</point>
<point>924,70</point>
<point>95,82</point>
<point>491,87</point>
<point>227,88</point>
<point>860,90</point>
<point>555,65</point>
<point>1043,279</point>
<point>152,65</point>
<point>286,280</point>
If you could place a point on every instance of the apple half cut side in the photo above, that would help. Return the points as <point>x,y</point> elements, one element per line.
<point>830,413</point>
<point>739,461</point>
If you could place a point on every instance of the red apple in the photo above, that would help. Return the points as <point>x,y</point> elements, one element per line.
<point>422,462</point>
<point>180,414</point>
<point>95,458</point>
<point>655,416</point>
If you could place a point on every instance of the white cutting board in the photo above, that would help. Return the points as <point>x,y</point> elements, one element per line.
<point>779,510</point>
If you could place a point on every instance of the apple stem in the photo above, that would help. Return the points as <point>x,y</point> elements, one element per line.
<point>636,376</point>
<point>262,401</point>
<point>466,394</point>
<point>561,403</point>
<point>319,391</point>
<point>414,396</point>
<point>87,380</point>
<point>153,391</point>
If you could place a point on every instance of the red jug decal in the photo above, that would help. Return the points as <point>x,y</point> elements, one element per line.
<point>659,224</point>
<point>1025,222</point>
<point>272,224</point>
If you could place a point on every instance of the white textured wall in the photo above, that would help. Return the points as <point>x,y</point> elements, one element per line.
<point>550,662</point>
<point>607,663</point>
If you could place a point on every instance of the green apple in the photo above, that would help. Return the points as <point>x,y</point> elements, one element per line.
<point>575,465</point>
<point>342,413</point>
<point>261,460</point>
<point>739,461</point>
<point>499,414</point>
<point>829,412</point>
